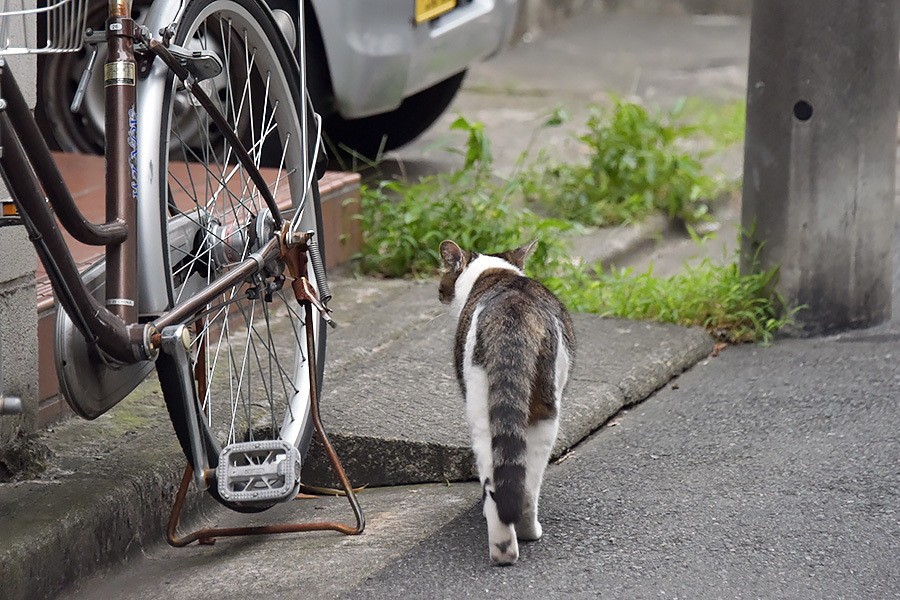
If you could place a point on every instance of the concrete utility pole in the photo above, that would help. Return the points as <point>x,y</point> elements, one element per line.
<point>820,155</point>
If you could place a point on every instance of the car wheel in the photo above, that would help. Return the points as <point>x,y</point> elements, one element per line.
<point>379,133</point>
<point>58,76</point>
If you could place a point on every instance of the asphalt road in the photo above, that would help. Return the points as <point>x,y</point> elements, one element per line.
<point>761,473</point>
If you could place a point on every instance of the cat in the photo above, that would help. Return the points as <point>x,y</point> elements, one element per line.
<point>513,352</point>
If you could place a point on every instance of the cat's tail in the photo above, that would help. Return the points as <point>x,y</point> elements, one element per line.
<point>510,373</point>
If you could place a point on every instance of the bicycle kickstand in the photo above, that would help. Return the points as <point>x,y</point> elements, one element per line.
<point>294,256</point>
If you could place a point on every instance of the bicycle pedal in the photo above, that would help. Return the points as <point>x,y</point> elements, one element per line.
<point>260,472</point>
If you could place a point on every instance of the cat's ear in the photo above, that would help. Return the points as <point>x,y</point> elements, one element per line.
<point>453,256</point>
<point>517,257</point>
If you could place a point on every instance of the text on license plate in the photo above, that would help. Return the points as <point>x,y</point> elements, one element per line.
<point>429,9</point>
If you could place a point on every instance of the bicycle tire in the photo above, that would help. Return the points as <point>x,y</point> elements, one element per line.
<point>266,376</point>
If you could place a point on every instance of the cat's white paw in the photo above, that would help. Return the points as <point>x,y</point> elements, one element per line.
<point>529,531</point>
<point>505,553</point>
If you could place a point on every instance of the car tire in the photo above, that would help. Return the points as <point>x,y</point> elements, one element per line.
<point>370,136</point>
<point>58,76</point>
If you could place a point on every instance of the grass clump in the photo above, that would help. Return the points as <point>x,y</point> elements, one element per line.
<point>734,308</point>
<point>637,166</point>
<point>404,223</point>
<point>723,125</point>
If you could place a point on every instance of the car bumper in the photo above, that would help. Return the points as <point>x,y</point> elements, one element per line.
<point>377,55</point>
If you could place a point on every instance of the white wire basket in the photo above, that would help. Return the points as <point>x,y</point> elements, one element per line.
<point>42,27</point>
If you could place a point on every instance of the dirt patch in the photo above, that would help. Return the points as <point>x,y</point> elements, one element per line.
<point>24,457</point>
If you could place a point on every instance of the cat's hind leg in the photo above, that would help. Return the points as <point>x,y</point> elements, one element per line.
<point>541,437</point>
<point>504,547</point>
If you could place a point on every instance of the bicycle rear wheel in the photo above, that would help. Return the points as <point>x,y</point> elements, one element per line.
<point>249,348</point>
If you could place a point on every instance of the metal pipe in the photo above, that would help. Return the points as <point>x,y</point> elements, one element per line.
<point>9,405</point>
<point>120,8</point>
<point>121,161</point>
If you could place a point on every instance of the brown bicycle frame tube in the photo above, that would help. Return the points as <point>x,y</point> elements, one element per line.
<point>120,78</point>
<point>51,180</point>
<point>94,321</point>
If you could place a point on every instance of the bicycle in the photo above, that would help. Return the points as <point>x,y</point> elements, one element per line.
<point>212,208</point>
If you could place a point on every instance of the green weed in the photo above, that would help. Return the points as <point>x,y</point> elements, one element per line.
<point>404,223</point>
<point>637,155</point>
<point>637,165</point>
<point>734,308</point>
<point>721,124</point>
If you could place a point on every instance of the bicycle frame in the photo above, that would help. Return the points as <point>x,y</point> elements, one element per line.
<point>115,326</point>
<point>136,323</point>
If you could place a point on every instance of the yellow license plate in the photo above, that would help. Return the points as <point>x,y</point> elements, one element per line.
<point>430,9</point>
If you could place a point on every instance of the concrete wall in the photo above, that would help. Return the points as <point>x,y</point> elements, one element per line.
<point>18,303</point>
<point>538,15</point>
<point>682,7</point>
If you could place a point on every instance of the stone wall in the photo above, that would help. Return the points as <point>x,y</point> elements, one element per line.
<point>538,15</point>
<point>18,303</point>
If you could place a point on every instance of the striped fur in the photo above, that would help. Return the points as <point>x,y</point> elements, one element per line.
<point>514,346</point>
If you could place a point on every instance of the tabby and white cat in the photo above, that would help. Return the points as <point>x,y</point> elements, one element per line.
<point>513,352</point>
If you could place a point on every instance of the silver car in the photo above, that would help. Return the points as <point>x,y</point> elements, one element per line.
<point>379,71</point>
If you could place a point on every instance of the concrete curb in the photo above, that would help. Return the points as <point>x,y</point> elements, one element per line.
<point>410,427</point>
<point>613,245</point>
<point>536,16</point>
<point>105,495</point>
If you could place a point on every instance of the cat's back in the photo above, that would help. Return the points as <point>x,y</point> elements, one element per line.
<point>497,289</point>
<point>509,303</point>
